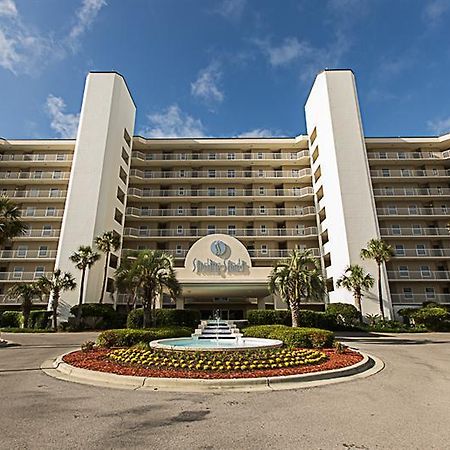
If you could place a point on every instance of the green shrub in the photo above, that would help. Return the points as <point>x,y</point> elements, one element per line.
<point>165,318</point>
<point>96,316</point>
<point>40,319</point>
<point>343,313</point>
<point>11,319</point>
<point>434,318</point>
<point>128,338</point>
<point>269,317</point>
<point>293,337</point>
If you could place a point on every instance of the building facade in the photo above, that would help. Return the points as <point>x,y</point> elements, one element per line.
<point>227,209</point>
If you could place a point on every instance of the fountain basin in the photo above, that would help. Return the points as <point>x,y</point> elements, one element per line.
<point>211,345</point>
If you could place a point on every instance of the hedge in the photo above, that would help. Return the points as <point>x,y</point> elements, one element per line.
<point>269,317</point>
<point>434,318</point>
<point>166,318</point>
<point>97,316</point>
<point>128,338</point>
<point>40,319</point>
<point>11,319</point>
<point>343,313</point>
<point>293,337</point>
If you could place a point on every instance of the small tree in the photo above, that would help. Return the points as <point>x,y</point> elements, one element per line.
<point>380,252</point>
<point>297,278</point>
<point>55,286</point>
<point>25,292</point>
<point>83,259</point>
<point>10,223</point>
<point>108,242</point>
<point>356,281</point>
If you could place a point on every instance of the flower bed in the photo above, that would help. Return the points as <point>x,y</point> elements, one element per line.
<point>150,363</point>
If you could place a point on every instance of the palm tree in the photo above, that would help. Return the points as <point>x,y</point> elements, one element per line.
<point>25,292</point>
<point>127,284</point>
<point>10,223</point>
<point>356,281</point>
<point>84,258</point>
<point>152,272</point>
<point>380,252</point>
<point>108,242</point>
<point>296,278</point>
<point>54,286</point>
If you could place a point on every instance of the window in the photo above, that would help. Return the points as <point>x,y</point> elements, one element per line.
<point>263,229</point>
<point>113,261</point>
<point>425,271</point>
<point>405,172</point>
<point>400,250</point>
<point>109,285</point>
<point>260,173</point>
<point>403,271</point>
<point>396,229</point>
<point>231,192</point>
<point>211,191</point>
<point>211,173</point>
<point>313,136</point>
<point>300,229</point>
<point>420,250</point>
<point>383,155</point>
<point>412,209</point>
<point>211,211</point>
<point>231,156</point>
<point>178,250</point>
<point>392,209</point>
<point>22,251</point>
<point>231,173</point>
<point>43,251</point>
<point>430,293</point>
<point>232,230</point>
<point>123,175</point>
<point>145,211</point>
<point>264,249</point>
<point>30,211</point>
<point>54,192</point>
<point>417,229</point>
<point>401,155</point>
<point>125,156</point>
<point>407,293</point>
<point>385,172</point>
<point>60,157</point>
<point>181,191</point>
<point>232,210</point>
<point>39,271</point>
<point>315,154</point>
<point>182,173</point>
<point>143,230</point>
<point>211,156</point>
<point>17,273</point>
<point>262,210</point>
<point>51,211</point>
<point>120,195</point>
<point>127,137</point>
<point>57,174</point>
<point>262,191</point>
<point>118,216</point>
<point>38,174</point>
<point>46,230</point>
<point>211,229</point>
<point>180,210</point>
<point>259,155</point>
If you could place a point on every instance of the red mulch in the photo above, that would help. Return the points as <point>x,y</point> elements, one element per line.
<point>97,360</point>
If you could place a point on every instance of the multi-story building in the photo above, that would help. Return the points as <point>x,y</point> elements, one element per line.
<point>227,209</point>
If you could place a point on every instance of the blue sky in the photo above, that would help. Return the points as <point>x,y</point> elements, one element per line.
<point>224,68</point>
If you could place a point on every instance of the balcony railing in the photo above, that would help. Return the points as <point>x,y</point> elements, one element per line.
<point>36,157</point>
<point>151,174</point>
<point>38,233</point>
<point>41,213</point>
<point>22,276</point>
<point>211,156</point>
<point>407,231</point>
<point>34,176</point>
<point>221,192</point>
<point>419,298</point>
<point>220,212</point>
<point>238,232</point>
<point>405,155</point>
<point>35,193</point>
<point>27,254</point>
<point>407,173</point>
<point>422,252</point>
<point>411,192</point>
<point>418,275</point>
<point>443,211</point>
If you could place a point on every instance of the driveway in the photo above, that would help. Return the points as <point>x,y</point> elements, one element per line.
<point>406,406</point>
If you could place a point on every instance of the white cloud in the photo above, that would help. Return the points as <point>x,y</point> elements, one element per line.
<point>173,122</point>
<point>288,51</point>
<point>205,87</point>
<point>8,8</point>
<point>439,126</point>
<point>435,10</point>
<point>231,9</point>
<point>85,15</point>
<point>64,124</point>
<point>258,132</point>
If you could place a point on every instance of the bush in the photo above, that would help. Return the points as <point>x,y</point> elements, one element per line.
<point>11,319</point>
<point>166,318</point>
<point>293,337</point>
<point>128,338</point>
<point>434,318</point>
<point>269,317</point>
<point>40,319</point>
<point>96,316</point>
<point>343,313</point>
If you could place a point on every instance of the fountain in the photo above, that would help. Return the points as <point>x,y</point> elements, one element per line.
<point>215,335</point>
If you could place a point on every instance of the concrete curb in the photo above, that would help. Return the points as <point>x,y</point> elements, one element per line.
<point>57,368</point>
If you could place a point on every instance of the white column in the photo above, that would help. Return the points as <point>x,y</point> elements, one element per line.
<point>92,199</point>
<point>332,112</point>
<point>180,303</point>
<point>261,303</point>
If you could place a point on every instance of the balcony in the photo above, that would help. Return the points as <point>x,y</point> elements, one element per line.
<point>238,232</point>
<point>46,214</point>
<point>408,212</point>
<point>414,232</point>
<point>48,177</point>
<point>419,298</point>
<point>216,193</point>
<point>27,254</point>
<point>411,192</point>
<point>37,157</point>
<point>409,173</point>
<point>42,233</point>
<point>222,175</point>
<point>36,194</point>
<point>220,212</point>
<point>22,276</point>
<point>422,253</point>
<point>388,155</point>
<point>424,275</point>
<point>212,156</point>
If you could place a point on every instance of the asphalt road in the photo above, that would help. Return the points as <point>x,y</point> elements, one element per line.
<point>406,406</point>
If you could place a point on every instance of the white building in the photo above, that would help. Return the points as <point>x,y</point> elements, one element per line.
<point>227,209</point>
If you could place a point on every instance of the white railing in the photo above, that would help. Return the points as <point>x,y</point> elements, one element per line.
<point>406,231</point>
<point>422,253</point>
<point>34,176</point>
<point>409,192</point>
<point>238,232</point>
<point>232,192</point>
<point>38,213</point>
<point>409,173</point>
<point>35,193</point>
<point>22,276</point>
<point>420,298</point>
<point>38,233</point>
<point>27,254</point>
<point>222,212</point>
<point>36,157</point>
<point>404,155</point>
<point>418,275</point>
<point>413,211</point>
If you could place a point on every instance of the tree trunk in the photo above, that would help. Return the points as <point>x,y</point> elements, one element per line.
<point>26,315</point>
<point>55,303</point>
<point>380,294</point>
<point>105,276</point>
<point>80,298</point>
<point>294,313</point>
<point>359,305</point>
<point>153,312</point>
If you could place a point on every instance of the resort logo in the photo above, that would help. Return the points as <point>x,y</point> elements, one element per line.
<point>219,268</point>
<point>219,248</point>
